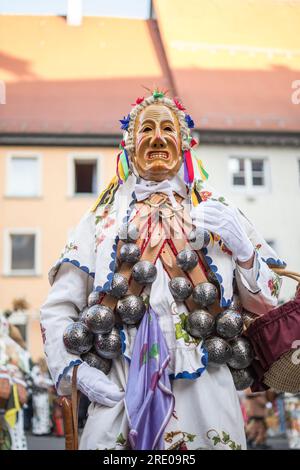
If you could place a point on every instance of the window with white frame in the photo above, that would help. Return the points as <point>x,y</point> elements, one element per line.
<point>23,175</point>
<point>85,175</point>
<point>21,256</point>
<point>248,172</point>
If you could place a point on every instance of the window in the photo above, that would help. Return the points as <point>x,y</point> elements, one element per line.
<point>23,176</point>
<point>21,252</point>
<point>248,173</point>
<point>257,169</point>
<point>84,175</point>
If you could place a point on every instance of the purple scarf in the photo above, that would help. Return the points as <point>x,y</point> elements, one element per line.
<point>149,400</point>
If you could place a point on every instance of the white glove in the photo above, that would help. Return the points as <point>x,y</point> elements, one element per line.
<point>97,386</point>
<point>224,221</point>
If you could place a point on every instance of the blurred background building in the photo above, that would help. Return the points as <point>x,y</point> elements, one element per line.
<point>72,69</point>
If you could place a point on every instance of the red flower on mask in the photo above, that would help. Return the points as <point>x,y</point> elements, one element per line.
<point>178,104</point>
<point>138,101</point>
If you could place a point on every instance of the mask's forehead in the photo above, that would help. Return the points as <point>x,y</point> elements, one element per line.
<point>156,112</point>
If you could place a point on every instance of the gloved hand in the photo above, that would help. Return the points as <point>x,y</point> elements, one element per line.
<point>224,221</point>
<point>97,386</point>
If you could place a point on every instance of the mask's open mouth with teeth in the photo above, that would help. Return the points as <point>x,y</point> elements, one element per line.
<point>155,155</point>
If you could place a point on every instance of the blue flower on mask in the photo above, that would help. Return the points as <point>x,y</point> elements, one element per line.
<point>189,121</point>
<point>125,122</point>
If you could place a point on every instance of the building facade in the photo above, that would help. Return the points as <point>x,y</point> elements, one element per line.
<point>45,191</point>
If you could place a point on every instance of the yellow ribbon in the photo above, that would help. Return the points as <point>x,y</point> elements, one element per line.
<point>11,414</point>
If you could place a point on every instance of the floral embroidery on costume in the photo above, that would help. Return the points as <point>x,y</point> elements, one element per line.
<point>69,247</point>
<point>224,439</point>
<point>177,440</point>
<point>146,353</point>
<point>121,443</point>
<point>274,286</point>
<point>121,439</point>
<point>205,195</point>
<point>107,223</point>
<point>180,330</point>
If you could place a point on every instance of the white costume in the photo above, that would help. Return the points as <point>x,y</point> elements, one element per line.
<point>207,412</point>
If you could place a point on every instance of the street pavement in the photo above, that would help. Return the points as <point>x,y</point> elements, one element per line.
<point>45,442</point>
<point>58,443</point>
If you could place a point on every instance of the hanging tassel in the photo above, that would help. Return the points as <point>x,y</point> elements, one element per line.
<point>188,167</point>
<point>200,167</point>
<point>121,173</point>
<point>193,142</point>
<point>203,173</point>
<point>126,156</point>
<point>186,177</point>
<point>107,195</point>
<point>194,198</point>
<point>124,165</point>
<point>117,169</point>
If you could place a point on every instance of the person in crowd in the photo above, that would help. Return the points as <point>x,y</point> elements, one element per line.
<point>41,422</point>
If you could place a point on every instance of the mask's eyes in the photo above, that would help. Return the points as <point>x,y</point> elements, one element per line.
<point>168,129</point>
<point>147,129</point>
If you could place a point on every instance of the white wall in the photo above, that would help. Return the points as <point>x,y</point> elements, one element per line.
<point>275,212</point>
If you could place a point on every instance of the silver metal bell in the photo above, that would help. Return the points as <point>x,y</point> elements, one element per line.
<point>108,345</point>
<point>93,298</point>
<point>98,362</point>
<point>129,233</point>
<point>199,238</point>
<point>131,309</point>
<point>205,294</point>
<point>236,303</point>
<point>99,319</point>
<point>242,378</point>
<point>180,288</point>
<point>130,253</point>
<point>77,338</point>
<point>200,324</point>
<point>229,324</point>
<point>119,286</point>
<point>187,259</point>
<point>144,272</point>
<point>218,350</point>
<point>242,353</point>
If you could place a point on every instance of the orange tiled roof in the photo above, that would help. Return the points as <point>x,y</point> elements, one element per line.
<point>68,79</point>
<point>233,62</point>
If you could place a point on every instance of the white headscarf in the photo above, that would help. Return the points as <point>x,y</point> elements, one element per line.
<point>144,188</point>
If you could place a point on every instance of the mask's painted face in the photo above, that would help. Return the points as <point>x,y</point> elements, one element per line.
<point>157,143</point>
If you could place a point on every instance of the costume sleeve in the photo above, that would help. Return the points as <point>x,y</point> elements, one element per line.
<point>258,287</point>
<point>67,297</point>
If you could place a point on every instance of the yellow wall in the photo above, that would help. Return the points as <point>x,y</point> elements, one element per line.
<point>54,214</point>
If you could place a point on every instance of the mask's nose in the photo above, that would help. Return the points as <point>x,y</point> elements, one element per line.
<point>157,141</point>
